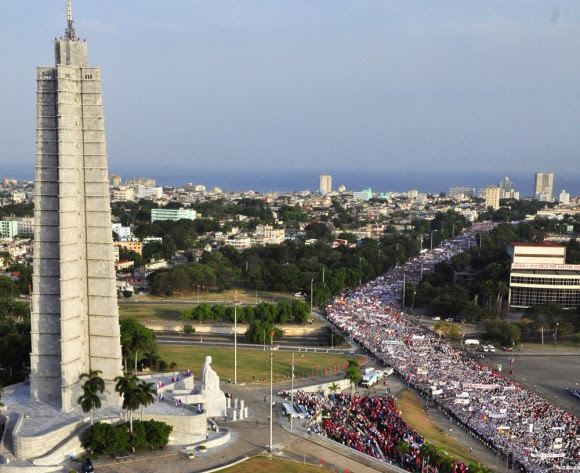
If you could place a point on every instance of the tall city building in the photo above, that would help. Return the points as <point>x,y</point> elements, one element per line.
<point>506,188</point>
<point>116,181</point>
<point>492,197</point>
<point>75,320</point>
<point>325,184</point>
<point>544,186</point>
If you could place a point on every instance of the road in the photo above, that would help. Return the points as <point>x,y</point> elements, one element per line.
<point>220,340</point>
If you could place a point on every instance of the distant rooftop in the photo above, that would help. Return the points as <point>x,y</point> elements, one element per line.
<point>543,243</point>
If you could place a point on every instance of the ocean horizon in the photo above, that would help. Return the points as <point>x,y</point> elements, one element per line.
<point>264,180</point>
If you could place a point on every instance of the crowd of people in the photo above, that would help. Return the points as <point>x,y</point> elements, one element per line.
<point>370,425</point>
<point>511,419</point>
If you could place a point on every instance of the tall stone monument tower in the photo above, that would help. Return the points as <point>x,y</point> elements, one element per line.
<point>75,320</point>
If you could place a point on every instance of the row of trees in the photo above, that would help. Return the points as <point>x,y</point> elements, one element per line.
<point>282,312</point>
<point>482,292</point>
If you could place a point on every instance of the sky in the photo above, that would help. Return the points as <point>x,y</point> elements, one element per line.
<point>319,86</point>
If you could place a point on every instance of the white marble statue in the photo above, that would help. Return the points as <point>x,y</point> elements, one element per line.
<point>210,381</point>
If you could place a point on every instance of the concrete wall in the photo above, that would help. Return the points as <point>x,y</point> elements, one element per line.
<point>187,429</point>
<point>316,388</point>
<point>289,330</point>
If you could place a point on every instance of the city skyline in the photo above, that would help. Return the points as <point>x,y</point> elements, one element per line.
<point>302,86</point>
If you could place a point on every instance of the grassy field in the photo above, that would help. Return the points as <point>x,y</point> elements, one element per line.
<point>244,295</point>
<point>252,364</point>
<point>276,465</point>
<point>549,345</point>
<point>415,416</point>
<point>152,312</point>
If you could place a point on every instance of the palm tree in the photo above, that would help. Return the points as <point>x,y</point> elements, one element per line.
<point>6,259</point>
<point>146,394</point>
<point>94,380</point>
<point>89,401</point>
<point>353,374</point>
<point>478,468</point>
<point>502,291</point>
<point>333,388</point>
<point>93,385</point>
<point>126,386</point>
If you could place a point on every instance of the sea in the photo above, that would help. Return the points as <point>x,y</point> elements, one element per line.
<point>287,180</point>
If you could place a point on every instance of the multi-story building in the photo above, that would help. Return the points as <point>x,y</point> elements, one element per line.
<point>458,191</point>
<point>123,194</point>
<point>412,194</point>
<point>544,186</point>
<point>25,225</point>
<point>539,275</point>
<point>122,232</point>
<point>564,197</point>
<point>173,214</point>
<point>492,197</point>
<point>325,184</point>
<point>265,235</point>
<point>8,228</point>
<point>362,196</point>
<point>130,245</point>
<point>148,192</point>
<point>115,181</point>
<point>141,181</point>
<point>506,188</point>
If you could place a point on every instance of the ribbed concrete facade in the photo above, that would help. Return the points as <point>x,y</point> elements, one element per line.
<point>75,321</point>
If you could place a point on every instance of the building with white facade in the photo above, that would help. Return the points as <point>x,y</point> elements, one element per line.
<point>148,192</point>
<point>362,196</point>
<point>458,191</point>
<point>123,194</point>
<point>8,228</point>
<point>564,197</point>
<point>539,275</point>
<point>173,214</point>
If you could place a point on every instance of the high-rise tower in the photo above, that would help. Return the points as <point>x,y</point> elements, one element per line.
<point>75,320</point>
<point>544,186</point>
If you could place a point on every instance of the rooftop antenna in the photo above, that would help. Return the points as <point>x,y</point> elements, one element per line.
<point>70,33</point>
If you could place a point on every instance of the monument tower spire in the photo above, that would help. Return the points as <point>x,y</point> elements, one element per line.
<point>75,320</point>
<point>70,32</point>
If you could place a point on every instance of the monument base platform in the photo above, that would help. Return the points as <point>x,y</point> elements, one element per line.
<point>42,435</point>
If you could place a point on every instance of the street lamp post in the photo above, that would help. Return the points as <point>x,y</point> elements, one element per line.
<point>556,334</point>
<point>311,294</point>
<point>292,394</point>
<point>235,337</point>
<point>272,350</point>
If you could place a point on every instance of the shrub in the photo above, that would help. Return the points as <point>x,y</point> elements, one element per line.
<point>188,329</point>
<point>110,439</point>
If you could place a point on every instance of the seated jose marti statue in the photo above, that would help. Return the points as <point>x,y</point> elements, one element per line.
<point>212,397</point>
<point>210,381</point>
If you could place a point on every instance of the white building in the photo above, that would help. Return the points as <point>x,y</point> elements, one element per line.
<point>123,194</point>
<point>539,275</point>
<point>362,196</point>
<point>149,192</point>
<point>412,194</point>
<point>8,228</point>
<point>173,214</point>
<point>564,197</point>
<point>122,232</point>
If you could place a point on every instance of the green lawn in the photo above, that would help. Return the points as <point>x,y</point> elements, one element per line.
<point>252,364</point>
<point>549,345</point>
<point>275,465</point>
<point>414,415</point>
<point>152,312</point>
<point>244,295</point>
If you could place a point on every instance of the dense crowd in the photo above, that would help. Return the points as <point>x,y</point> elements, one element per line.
<point>370,425</point>
<point>510,418</point>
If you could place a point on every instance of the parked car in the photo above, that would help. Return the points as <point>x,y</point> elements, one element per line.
<point>450,319</point>
<point>508,349</point>
<point>436,318</point>
<point>87,466</point>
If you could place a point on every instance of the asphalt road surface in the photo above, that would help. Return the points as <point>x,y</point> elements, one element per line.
<point>548,375</point>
